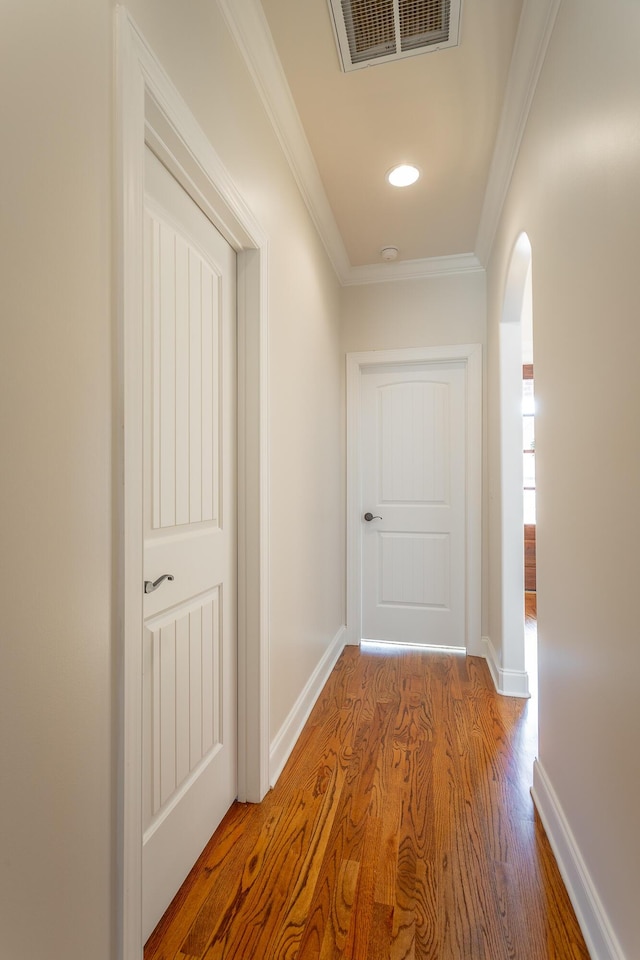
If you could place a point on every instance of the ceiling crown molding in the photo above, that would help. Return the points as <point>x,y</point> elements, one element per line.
<point>250,30</point>
<point>413,269</point>
<point>532,40</point>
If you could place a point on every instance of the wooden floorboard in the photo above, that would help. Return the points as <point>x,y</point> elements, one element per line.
<point>402,828</point>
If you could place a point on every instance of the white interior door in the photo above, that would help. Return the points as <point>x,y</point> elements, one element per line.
<point>189,637</point>
<point>413,463</point>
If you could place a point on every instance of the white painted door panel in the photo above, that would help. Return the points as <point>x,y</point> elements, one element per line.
<point>414,478</point>
<point>189,637</point>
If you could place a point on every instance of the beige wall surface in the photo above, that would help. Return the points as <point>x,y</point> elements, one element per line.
<point>437,311</point>
<point>56,645</point>
<point>576,191</point>
<point>58,656</point>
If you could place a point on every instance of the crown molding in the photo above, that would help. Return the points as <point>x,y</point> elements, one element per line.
<point>248,26</point>
<point>412,269</point>
<point>250,30</point>
<point>532,40</point>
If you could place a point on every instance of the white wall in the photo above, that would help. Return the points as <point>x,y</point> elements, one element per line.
<point>59,635</point>
<point>56,692</point>
<point>576,192</point>
<point>438,311</point>
<point>428,312</point>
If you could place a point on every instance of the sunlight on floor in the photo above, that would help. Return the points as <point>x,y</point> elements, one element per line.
<point>392,646</point>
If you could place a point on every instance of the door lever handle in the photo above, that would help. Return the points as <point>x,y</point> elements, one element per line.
<point>151,585</point>
<point>370,516</point>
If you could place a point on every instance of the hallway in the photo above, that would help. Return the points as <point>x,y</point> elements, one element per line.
<point>402,826</point>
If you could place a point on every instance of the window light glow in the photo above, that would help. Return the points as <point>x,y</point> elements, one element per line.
<point>403,175</point>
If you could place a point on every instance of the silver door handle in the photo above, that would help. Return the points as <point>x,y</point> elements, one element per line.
<point>370,516</point>
<point>151,585</point>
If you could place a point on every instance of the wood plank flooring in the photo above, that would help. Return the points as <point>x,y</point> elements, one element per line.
<point>402,828</point>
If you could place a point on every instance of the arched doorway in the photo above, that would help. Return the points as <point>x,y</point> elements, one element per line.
<point>516,348</point>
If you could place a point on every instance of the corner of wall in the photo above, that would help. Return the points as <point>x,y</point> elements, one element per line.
<point>285,740</point>
<point>590,912</point>
<point>508,683</point>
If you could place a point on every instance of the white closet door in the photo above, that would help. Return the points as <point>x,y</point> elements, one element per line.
<point>189,655</point>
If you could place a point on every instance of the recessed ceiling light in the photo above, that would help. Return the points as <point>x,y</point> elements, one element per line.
<point>403,175</point>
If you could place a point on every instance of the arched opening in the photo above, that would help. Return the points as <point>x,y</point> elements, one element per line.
<point>516,349</point>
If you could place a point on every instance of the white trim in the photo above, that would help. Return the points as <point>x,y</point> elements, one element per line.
<point>511,568</point>
<point>128,214</point>
<point>508,683</point>
<point>285,739</point>
<point>471,355</point>
<point>488,652</point>
<point>250,30</point>
<point>150,110</point>
<point>248,26</point>
<point>595,924</point>
<point>412,269</point>
<point>537,20</point>
<point>477,647</point>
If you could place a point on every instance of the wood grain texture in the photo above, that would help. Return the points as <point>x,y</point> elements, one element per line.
<point>402,828</point>
<point>530,557</point>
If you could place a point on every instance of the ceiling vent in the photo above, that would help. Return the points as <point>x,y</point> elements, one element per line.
<point>376,31</point>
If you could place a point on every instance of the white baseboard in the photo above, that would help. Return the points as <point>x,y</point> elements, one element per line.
<point>351,637</point>
<point>592,917</point>
<point>285,740</point>
<point>509,683</point>
<point>477,647</point>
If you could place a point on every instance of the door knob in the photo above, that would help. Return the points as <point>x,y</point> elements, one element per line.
<point>151,585</point>
<point>370,516</point>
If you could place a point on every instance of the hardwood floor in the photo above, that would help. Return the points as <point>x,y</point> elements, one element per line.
<point>401,827</point>
<point>530,608</point>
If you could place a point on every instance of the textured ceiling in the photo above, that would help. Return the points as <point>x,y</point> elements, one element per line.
<point>439,110</point>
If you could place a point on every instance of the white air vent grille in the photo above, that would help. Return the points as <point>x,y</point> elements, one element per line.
<point>375,31</point>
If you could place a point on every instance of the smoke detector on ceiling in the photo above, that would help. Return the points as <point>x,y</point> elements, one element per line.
<point>389,253</point>
<point>376,31</point>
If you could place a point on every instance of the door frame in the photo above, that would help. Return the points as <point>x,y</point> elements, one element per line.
<point>508,667</point>
<point>471,356</point>
<point>150,111</point>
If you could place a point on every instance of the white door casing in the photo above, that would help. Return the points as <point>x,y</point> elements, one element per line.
<point>466,360</point>
<point>509,668</point>
<point>413,448</point>
<point>151,111</point>
<point>189,640</point>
